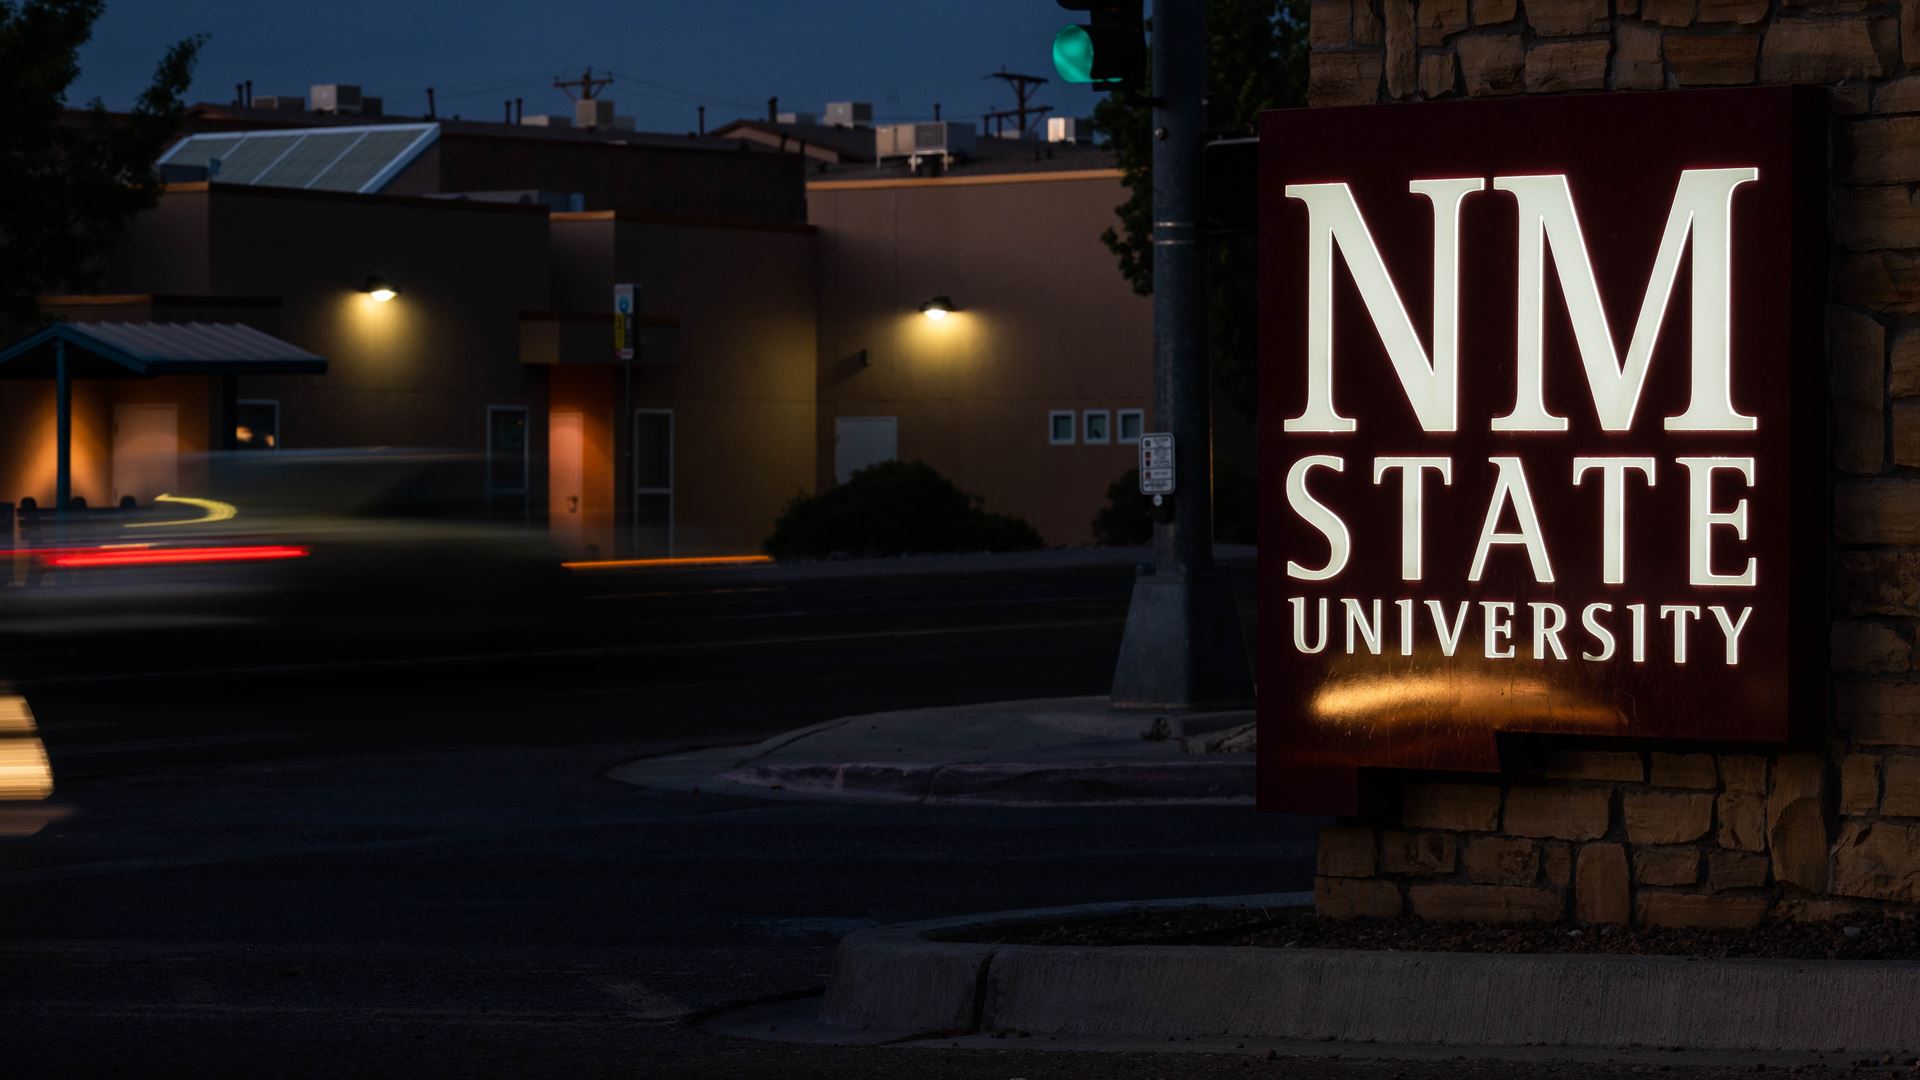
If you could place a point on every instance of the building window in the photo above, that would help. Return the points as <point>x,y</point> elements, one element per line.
<point>256,425</point>
<point>508,462</point>
<point>1060,428</point>
<point>1099,431</point>
<point>1132,423</point>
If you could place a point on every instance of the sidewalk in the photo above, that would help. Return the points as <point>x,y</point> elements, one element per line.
<point>1015,753</point>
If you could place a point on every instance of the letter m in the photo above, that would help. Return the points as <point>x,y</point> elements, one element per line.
<point>1333,220</point>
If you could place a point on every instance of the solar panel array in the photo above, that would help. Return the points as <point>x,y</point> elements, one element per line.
<point>360,159</point>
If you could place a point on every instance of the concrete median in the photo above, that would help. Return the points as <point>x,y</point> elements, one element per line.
<point>909,981</point>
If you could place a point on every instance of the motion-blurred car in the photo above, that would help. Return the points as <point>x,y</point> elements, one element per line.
<point>330,549</point>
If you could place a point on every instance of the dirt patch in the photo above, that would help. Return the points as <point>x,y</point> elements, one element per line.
<point>1861,938</point>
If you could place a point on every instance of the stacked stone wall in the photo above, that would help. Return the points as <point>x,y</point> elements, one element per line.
<point>1704,839</point>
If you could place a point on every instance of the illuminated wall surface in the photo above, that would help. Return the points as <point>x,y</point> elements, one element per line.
<point>1542,429</point>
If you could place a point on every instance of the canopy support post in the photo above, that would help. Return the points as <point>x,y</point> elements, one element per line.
<point>63,428</point>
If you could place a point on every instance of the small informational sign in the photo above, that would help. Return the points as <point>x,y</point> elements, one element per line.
<point>625,322</point>
<point>1156,464</point>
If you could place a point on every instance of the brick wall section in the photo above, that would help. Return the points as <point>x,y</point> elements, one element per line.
<point>1697,839</point>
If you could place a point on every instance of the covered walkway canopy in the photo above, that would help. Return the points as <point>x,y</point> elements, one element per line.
<point>67,351</point>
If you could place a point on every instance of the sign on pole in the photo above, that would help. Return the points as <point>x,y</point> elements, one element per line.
<point>1156,464</point>
<point>625,322</point>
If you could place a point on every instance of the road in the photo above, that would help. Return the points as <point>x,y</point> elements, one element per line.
<point>298,857</point>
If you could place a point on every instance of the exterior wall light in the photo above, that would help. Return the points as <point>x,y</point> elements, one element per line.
<point>938,308</point>
<point>380,288</point>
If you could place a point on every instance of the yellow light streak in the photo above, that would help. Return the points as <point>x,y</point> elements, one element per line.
<point>215,510</point>
<point>25,772</point>
<point>1402,700</point>
<point>15,717</point>
<point>701,560</point>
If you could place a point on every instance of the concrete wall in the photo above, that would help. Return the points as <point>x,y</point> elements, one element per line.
<point>1713,836</point>
<point>1046,323</point>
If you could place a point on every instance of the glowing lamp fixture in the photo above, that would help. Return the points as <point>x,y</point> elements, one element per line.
<point>380,288</point>
<point>938,308</point>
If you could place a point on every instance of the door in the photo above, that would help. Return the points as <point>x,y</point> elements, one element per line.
<point>566,453</point>
<point>652,482</point>
<point>860,441</point>
<point>146,451</point>
<point>507,462</point>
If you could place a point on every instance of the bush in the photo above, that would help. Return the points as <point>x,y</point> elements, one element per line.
<point>1126,521</point>
<point>894,508</point>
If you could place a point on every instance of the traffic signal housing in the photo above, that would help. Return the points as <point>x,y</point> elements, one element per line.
<point>1109,50</point>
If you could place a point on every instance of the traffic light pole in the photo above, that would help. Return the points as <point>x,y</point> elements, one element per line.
<point>1183,647</point>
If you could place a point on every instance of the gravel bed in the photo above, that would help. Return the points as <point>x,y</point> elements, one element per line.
<point>1860,938</point>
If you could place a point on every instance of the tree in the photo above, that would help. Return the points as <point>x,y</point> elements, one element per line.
<point>1256,59</point>
<point>71,187</point>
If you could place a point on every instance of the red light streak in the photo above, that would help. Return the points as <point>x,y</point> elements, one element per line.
<point>171,556</point>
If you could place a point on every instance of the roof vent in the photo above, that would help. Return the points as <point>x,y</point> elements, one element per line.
<point>850,114</point>
<point>338,98</point>
<point>928,139</point>
<point>593,113</point>
<point>1069,129</point>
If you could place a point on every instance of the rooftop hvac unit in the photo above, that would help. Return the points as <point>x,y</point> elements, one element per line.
<point>335,98</point>
<point>850,114</point>
<point>795,118</point>
<point>546,121</point>
<point>937,137</point>
<point>280,103</point>
<point>593,112</point>
<point>1069,129</point>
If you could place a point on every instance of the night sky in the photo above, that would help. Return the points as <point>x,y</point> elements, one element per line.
<point>667,57</point>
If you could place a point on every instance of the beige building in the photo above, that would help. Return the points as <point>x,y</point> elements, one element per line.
<point>1033,392</point>
<point>775,355</point>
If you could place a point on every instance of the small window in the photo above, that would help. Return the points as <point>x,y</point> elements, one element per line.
<point>1132,423</point>
<point>256,425</point>
<point>1098,430</point>
<point>1060,428</point>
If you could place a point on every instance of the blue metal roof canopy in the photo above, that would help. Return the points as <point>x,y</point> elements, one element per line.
<point>63,351</point>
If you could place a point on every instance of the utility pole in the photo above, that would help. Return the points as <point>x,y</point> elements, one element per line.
<point>1024,87</point>
<point>996,116</point>
<point>586,84</point>
<point>1183,646</point>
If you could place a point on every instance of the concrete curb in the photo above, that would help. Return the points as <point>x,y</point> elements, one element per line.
<point>1015,784</point>
<point>906,981</point>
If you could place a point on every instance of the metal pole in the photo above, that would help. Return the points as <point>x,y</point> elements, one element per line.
<point>633,434</point>
<point>1183,646</point>
<point>63,432</point>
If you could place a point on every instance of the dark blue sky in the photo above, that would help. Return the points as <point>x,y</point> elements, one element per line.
<point>666,56</point>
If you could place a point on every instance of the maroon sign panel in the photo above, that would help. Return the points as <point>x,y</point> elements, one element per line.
<point>1542,429</point>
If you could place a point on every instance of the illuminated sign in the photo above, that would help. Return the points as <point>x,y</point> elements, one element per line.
<point>1542,424</point>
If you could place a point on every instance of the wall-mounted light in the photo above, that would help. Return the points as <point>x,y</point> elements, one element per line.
<point>380,288</point>
<point>938,308</point>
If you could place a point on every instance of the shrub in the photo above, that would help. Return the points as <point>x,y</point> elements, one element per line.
<point>894,508</point>
<point>1125,520</point>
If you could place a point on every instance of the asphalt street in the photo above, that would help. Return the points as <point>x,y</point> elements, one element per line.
<point>292,856</point>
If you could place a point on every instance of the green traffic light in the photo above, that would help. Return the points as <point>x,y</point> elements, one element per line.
<point>1073,54</point>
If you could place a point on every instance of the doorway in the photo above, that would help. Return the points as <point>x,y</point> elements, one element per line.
<point>652,482</point>
<point>146,451</point>
<point>566,458</point>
